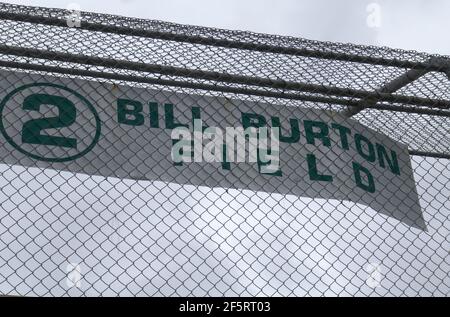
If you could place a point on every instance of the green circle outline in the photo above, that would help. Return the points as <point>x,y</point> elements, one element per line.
<point>41,158</point>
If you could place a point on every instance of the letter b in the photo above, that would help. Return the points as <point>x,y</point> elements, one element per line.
<point>123,112</point>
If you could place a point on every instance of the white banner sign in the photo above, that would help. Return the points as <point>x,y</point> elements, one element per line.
<point>121,131</point>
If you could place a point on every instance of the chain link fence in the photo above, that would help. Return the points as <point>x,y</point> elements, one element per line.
<point>64,233</point>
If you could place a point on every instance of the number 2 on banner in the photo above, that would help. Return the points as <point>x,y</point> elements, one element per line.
<point>31,130</point>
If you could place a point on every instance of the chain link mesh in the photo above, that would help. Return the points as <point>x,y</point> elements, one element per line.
<point>153,238</point>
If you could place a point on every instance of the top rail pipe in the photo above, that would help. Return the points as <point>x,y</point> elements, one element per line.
<point>218,88</point>
<point>98,27</point>
<point>221,77</point>
<point>390,87</point>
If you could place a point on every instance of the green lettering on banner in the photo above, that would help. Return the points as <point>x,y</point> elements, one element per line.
<point>170,119</point>
<point>393,162</point>
<point>295,130</point>
<point>196,115</point>
<point>343,131</point>
<point>252,120</point>
<point>123,112</point>
<point>359,147</point>
<point>368,186</point>
<point>312,170</point>
<point>257,121</point>
<point>31,130</point>
<point>154,114</point>
<point>311,136</point>
<point>172,124</point>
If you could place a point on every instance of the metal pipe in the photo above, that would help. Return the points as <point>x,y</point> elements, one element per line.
<point>218,88</point>
<point>390,87</point>
<point>225,43</point>
<point>430,154</point>
<point>395,84</point>
<point>105,75</point>
<point>221,77</point>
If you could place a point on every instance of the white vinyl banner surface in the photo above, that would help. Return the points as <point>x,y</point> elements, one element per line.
<point>121,131</point>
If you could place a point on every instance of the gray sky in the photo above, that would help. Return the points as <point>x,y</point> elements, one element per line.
<point>410,24</point>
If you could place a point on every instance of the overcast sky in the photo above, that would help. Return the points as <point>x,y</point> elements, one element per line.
<point>410,24</point>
